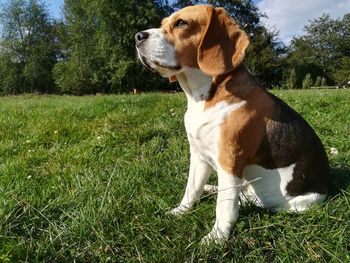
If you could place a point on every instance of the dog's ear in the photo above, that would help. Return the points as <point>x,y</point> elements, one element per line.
<point>223,44</point>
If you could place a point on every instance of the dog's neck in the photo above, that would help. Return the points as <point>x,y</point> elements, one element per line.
<point>195,84</point>
<point>200,88</point>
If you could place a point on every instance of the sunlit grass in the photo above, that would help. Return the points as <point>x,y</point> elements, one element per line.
<point>90,179</point>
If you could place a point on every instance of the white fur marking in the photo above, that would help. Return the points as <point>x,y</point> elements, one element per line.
<point>227,208</point>
<point>204,127</point>
<point>160,53</point>
<point>197,177</point>
<point>267,188</point>
<point>303,202</point>
<point>270,190</point>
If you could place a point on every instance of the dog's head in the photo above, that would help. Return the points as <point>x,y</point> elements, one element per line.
<point>201,37</point>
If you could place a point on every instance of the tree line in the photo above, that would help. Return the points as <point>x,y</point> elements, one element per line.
<point>91,49</point>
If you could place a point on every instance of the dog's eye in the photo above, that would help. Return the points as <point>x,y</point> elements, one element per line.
<point>181,23</point>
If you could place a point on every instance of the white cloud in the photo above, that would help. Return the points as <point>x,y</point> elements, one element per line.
<point>290,16</point>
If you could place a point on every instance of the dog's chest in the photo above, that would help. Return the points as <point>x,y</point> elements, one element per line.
<point>203,127</point>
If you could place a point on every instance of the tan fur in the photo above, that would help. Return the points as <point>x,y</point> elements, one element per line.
<point>186,40</point>
<point>211,38</point>
<point>243,130</point>
<point>223,44</point>
<point>172,78</point>
<point>213,42</point>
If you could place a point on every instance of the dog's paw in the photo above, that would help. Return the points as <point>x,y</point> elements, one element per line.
<point>180,210</point>
<point>210,189</point>
<point>216,237</point>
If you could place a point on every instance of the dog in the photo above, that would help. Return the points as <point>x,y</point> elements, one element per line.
<point>263,151</point>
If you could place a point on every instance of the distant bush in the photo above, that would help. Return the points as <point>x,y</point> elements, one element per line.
<point>324,82</point>
<point>291,82</point>
<point>318,81</point>
<point>307,82</point>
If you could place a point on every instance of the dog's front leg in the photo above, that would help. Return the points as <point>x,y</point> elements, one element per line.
<point>227,207</point>
<point>198,176</point>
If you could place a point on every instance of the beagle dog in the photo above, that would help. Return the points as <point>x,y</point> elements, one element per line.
<point>262,150</point>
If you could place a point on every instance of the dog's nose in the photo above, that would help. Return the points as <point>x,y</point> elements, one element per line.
<point>141,36</point>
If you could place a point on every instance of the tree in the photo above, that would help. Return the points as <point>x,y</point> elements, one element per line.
<point>266,57</point>
<point>27,47</point>
<point>343,71</point>
<point>320,51</point>
<point>101,55</point>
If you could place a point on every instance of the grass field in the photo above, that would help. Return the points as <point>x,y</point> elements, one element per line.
<point>90,179</point>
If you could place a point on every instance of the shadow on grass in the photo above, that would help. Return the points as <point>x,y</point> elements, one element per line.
<point>340,180</point>
<point>149,135</point>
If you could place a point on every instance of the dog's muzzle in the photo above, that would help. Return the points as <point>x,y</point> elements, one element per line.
<point>155,52</point>
<point>141,37</point>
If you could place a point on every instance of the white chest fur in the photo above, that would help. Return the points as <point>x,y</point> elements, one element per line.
<point>203,125</point>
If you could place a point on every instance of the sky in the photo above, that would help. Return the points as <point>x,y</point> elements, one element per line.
<point>55,7</point>
<point>290,16</point>
<point>287,16</point>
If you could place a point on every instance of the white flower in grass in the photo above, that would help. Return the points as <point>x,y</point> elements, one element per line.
<point>55,132</point>
<point>334,151</point>
<point>28,141</point>
<point>99,138</point>
<point>172,112</point>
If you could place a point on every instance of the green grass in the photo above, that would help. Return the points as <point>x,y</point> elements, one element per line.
<point>90,179</point>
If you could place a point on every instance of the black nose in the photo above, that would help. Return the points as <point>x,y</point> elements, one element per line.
<point>141,36</point>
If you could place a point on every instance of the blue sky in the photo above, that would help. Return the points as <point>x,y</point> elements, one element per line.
<point>288,17</point>
<point>55,7</point>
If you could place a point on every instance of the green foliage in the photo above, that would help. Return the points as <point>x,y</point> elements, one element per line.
<point>27,47</point>
<point>324,82</point>
<point>343,72</point>
<point>307,82</point>
<point>291,82</point>
<point>101,46</point>
<point>92,49</point>
<point>321,50</point>
<point>318,81</point>
<point>90,179</point>
<point>265,57</point>
<point>73,77</point>
<point>11,77</point>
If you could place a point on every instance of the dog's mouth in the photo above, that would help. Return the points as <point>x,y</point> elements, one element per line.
<point>156,66</point>
<point>145,62</point>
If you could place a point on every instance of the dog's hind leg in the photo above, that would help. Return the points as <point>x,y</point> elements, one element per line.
<point>303,202</point>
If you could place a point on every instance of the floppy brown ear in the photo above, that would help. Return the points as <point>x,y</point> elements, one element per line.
<point>223,44</point>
